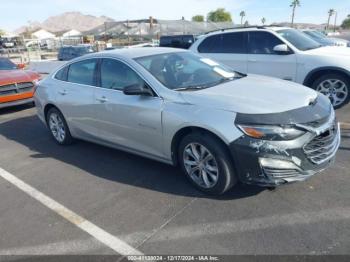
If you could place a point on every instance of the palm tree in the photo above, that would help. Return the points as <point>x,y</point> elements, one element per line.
<point>242,15</point>
<point>294,5</point>
<point>263,20</point>
<point>330,14</point>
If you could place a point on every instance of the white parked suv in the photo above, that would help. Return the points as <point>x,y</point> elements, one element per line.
<point>284,53</point>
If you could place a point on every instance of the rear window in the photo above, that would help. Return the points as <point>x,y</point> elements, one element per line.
<point>82,72</point>
<point>234,43</point>
<point>62,74</point>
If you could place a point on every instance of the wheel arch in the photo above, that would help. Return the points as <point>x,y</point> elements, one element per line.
<point>181,133</point>
<point>318,72</point>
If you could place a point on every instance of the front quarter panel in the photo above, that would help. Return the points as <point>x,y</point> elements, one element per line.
<point>178,115</point>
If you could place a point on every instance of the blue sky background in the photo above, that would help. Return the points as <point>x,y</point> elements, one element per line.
<point>15,13</point>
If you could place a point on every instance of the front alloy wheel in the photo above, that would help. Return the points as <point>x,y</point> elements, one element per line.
<point>207,163</point>
<point>201,165</point>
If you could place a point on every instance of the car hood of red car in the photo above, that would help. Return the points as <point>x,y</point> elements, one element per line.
<point>17,76</point>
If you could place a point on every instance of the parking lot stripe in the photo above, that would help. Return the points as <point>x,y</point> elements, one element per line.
<point>104,237</point>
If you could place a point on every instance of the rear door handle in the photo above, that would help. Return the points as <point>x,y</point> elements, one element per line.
<point>63,93</point>
<point>102,99</point>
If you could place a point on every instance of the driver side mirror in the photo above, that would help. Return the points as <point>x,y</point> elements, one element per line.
<point>138,90</point>
<point>282,49</point>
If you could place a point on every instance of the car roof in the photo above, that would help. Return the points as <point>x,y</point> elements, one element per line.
<point>246,29</point>
<point>137,52</point>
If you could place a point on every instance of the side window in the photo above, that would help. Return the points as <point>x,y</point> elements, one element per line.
<point>262,43</point>
<point>117,75</point>
<point>234,43</point>
<point>82,72</point>
<point>62,74</point>
<point>208,45</point>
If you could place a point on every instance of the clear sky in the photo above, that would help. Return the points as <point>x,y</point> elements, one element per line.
<point>15,13</point>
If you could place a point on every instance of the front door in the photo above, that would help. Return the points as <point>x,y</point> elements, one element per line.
<point>262,59</point>
<point>133,122</point>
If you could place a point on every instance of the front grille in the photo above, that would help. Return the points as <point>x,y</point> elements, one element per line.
<point>280,173</point>
<point>322,148</point>
<point>18,88</point>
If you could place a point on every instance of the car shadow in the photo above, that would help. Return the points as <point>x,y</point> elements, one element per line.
<point>15,109</point>
<point>110,164</point>
<point>345,138</point>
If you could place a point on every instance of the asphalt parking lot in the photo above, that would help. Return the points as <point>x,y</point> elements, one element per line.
<point>152,208</point>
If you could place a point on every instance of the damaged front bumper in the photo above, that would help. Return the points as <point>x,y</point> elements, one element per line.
<point>273,163</point>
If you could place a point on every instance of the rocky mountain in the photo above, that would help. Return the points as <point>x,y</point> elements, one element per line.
<point>67,21</point>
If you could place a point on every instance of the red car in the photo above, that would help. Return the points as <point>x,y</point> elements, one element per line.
<point>16,85</point>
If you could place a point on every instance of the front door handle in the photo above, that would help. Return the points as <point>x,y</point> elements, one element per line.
<point>252,60</point>
<point>102,99</point>
<point>63,93</point>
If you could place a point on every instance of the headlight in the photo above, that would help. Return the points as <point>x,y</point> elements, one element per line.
<point>276,133</point>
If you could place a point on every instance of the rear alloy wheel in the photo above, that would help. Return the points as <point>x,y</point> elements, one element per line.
<point>335,87</point>
<point>58,127</point>
<point>206,163</point>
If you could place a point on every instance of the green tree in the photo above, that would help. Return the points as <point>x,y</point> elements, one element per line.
<point>331,12</point>
<point>294,5</point>
<point>242,15</point>
<point>246,23</point>
<point>263,20</point>
<point>198,18</point>
<point>219,15</point>
<point>2,32</point>
<point>346,23</point>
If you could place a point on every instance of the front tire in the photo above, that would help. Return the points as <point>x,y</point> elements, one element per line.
<point>58,127</point>
<point>206,163</point>
<point>336,87</point>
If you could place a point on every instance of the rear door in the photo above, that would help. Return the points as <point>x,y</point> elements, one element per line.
<point>227,48</point>
<point>263,60</point>
<point>131,121</point>
<point>75,96</point>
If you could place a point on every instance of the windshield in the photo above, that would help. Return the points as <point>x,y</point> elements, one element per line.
<point>6,64</point>
<point>186,71</point>
<point>318,37</point>
<point>299,39</point>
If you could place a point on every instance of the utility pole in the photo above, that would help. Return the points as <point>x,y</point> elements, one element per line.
<point>105,24</point>
<point>335,19</point>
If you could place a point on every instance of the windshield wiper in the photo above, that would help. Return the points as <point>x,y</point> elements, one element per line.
<point>199,87</point>
<point>312,48</point>
<point>189,88</point>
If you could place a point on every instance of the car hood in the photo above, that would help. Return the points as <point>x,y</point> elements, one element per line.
<point>253,95</point>
<point>331,51</point>
<point>17,75</point>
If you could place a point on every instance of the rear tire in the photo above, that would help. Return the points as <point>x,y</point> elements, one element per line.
<point>336,87</point>
<point>206,163</point>
<point>58,127</point>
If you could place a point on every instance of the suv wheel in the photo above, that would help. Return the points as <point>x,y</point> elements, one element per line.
<point>58,127</point>
<point>206,163</point>
<point>336,87</point>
